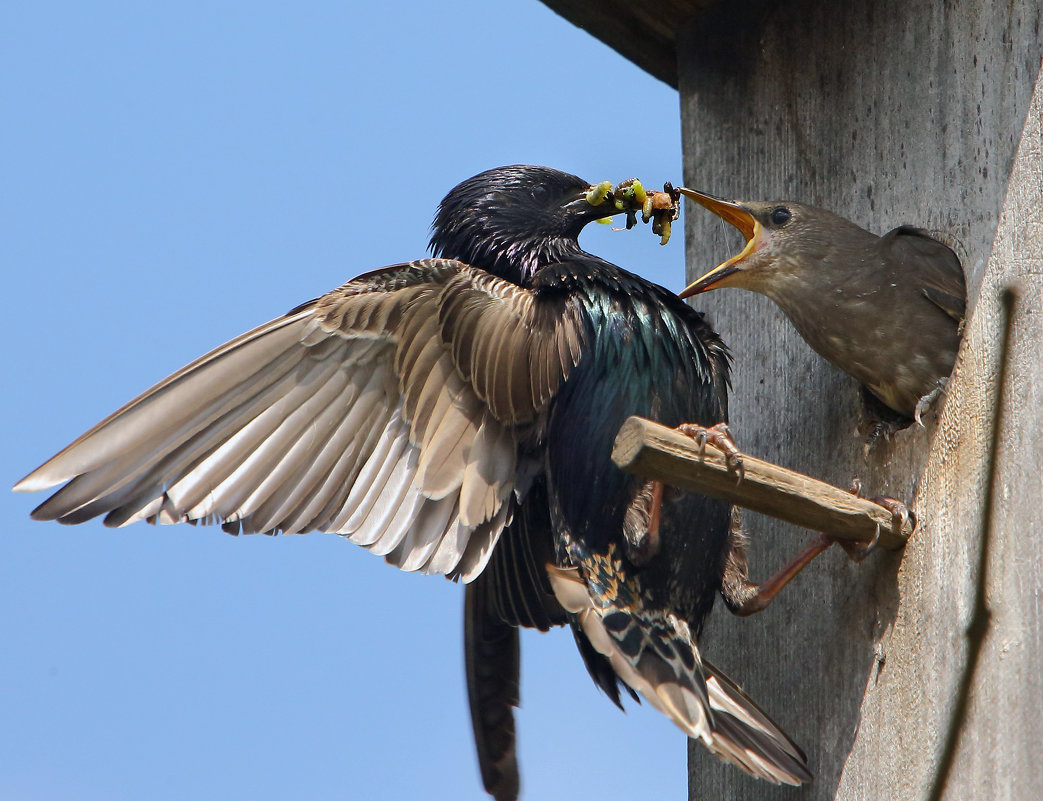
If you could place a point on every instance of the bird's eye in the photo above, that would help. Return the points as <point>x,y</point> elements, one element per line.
<point>539,193</point>
<point>780,216</point>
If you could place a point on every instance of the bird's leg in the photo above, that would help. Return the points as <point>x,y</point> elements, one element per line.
<point>641,523</point>
<point>929,399</point>
<point>857,551</point>
<point>899,514</point>
<point>717,435</point>
<point>742,596</point>
<point>721,438</point>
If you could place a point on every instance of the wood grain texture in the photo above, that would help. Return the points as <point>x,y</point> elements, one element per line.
<point>645,33</point>
<point>655,451</point>
<point>886,113</point>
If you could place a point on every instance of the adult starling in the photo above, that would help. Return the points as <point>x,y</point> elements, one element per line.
<point>887,310</point>
<point>456,416</point>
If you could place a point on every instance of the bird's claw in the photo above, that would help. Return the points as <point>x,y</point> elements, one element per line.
<point>928,400</point>
<point>858,551</point>
<point>721,438</point>
<point>900,515</point>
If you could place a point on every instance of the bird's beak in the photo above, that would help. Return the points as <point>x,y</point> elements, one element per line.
<point>594,202</point>
<point>739,216</point>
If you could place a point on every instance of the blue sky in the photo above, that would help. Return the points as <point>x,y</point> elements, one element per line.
<point>174,174</point>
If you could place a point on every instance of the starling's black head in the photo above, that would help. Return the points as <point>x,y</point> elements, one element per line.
<point>514,220</point>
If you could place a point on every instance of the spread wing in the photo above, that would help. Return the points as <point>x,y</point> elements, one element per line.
<point>388,411</point>
<point>936,266</point>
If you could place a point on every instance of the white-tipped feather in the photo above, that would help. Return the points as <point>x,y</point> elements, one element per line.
<point>658,687</point>
<point>712,709</point>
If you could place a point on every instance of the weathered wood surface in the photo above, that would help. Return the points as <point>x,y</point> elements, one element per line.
<point>887,113</point>
<point>645,33</point>
<point>655,451</point>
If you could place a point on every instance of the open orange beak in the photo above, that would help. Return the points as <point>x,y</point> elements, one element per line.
<point>739,216</point>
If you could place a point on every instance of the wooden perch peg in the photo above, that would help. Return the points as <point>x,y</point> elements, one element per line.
<point>655,451</point>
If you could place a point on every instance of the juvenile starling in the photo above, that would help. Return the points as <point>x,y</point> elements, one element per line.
<point>887,310</point>
<point>456,415</point>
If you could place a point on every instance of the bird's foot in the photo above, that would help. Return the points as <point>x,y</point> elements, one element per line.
<point>645,512</point>
<point>900,514</point>
<point>856,551</point>
<point>721,438</point>
<point>928,400</point>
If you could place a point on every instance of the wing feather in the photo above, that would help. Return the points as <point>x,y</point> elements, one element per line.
<point>252,457</point>
<point>388,411</point>
<point>425,534</point>
<point>936,266</point>
<point>493,327</point>
<point>313,485</point>
<point>180,404</point>
<point>443,460</point>
<point>399,466</point>
<point>374,475</point>
<point>183,442</point>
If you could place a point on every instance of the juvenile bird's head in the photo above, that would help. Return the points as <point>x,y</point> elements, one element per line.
<point>513,220</point>
<point>792,250</point>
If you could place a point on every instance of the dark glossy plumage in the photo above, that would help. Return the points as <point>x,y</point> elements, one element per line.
<point>456,415</point>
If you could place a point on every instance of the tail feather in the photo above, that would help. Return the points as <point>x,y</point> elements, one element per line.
<point>648,666</point>
<point>492,657</point>
<point>745,736</point>
<point>653,652</point>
